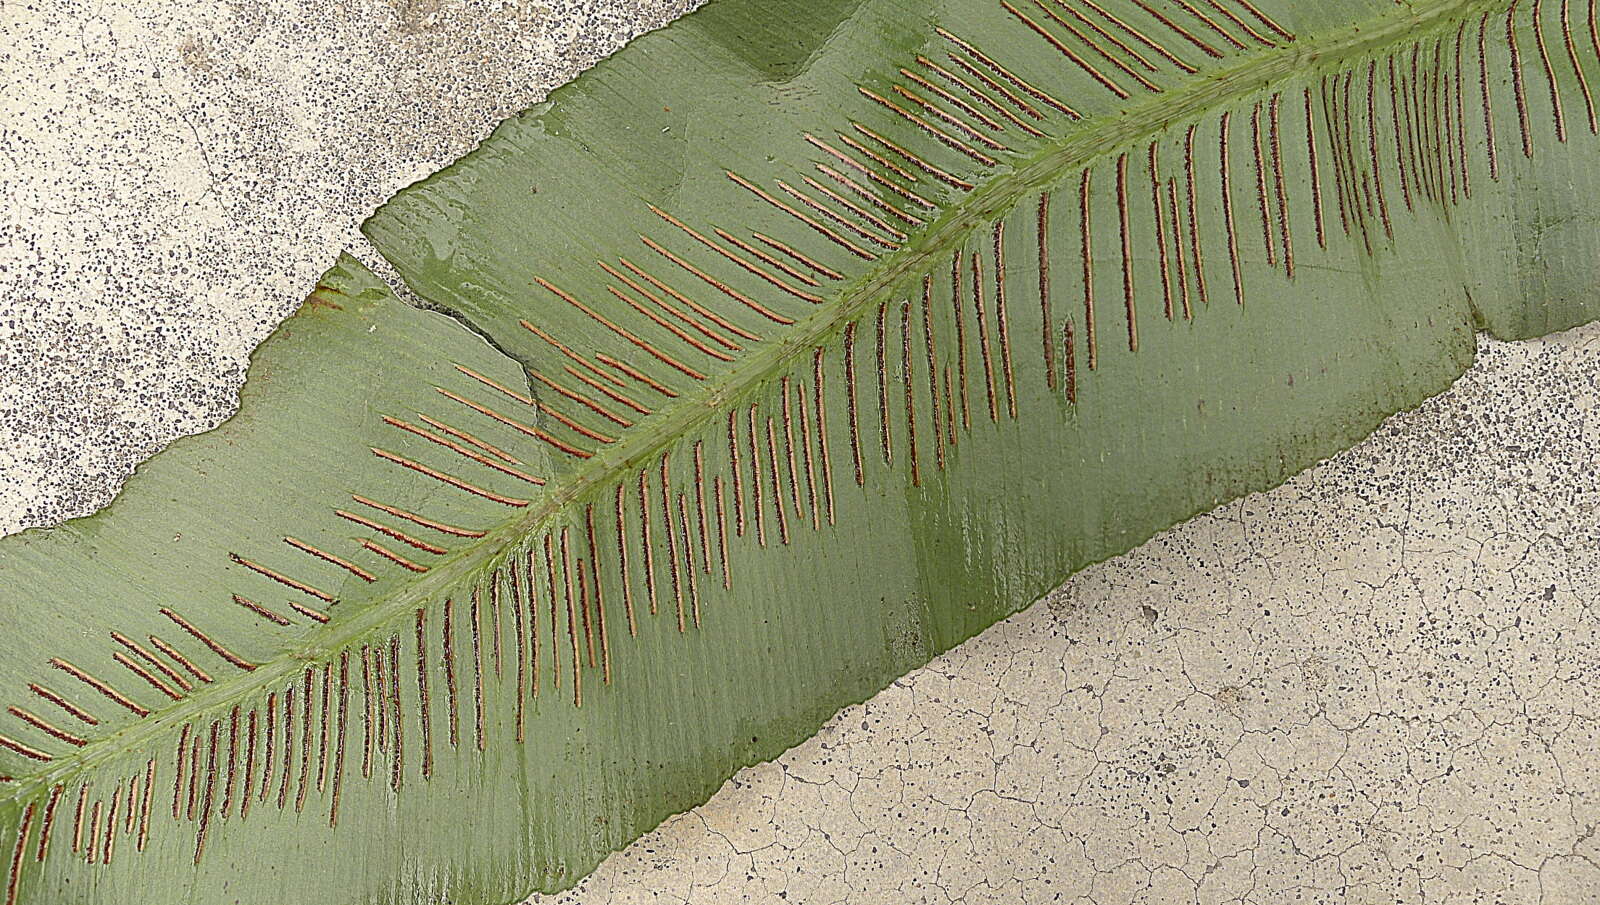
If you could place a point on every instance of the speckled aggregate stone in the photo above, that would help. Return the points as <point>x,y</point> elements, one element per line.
<point>175,175</point>
<point>1378,684</point>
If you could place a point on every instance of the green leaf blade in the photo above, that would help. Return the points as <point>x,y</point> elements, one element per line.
<point>1079,339</point>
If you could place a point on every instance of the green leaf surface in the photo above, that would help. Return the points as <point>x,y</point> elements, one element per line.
<point>787,348</point>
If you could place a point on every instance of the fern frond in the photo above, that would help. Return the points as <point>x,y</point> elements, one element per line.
<point>789,347</point>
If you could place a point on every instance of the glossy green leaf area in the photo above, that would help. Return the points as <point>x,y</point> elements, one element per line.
<point>789,347</point>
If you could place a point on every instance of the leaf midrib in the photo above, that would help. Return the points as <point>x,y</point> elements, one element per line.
<point>1097,138</point>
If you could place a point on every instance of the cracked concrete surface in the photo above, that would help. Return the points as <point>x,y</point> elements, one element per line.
<point>1375,684</point>
<point>1379,683</point>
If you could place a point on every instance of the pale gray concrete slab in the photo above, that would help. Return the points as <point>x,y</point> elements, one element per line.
<point>1379,683</point>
